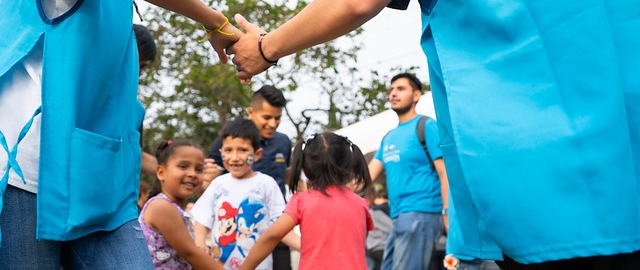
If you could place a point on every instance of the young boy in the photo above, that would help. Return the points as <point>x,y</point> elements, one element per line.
<point>240,205</point>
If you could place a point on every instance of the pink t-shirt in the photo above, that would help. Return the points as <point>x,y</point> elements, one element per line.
<point>333,228</point>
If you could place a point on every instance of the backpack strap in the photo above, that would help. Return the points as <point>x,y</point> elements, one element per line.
<point>420,132</point>
<point>421,138</point>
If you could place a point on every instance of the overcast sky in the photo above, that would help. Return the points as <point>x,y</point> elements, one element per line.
<point>391,39</point>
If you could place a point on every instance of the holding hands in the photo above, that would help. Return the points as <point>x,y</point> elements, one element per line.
<point>222,37</point>
<point>250,57</point>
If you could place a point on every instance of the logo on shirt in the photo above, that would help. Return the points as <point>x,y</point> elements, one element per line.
<point>390,154</point>
<point>280,157</point>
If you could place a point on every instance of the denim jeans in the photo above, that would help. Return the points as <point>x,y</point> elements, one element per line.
<point>478,264</point>
<point>122,248</point>
<point>412,240</point>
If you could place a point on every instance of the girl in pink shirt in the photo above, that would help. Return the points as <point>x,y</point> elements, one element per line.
<point>334,221</point>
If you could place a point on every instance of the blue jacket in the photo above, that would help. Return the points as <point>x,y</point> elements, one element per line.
<point>537,106</point>
<point>90,149</point>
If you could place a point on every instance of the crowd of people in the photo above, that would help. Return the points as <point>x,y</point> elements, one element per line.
<point>523,166</point>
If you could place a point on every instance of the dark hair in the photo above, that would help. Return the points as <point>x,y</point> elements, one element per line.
<point>163,153</point>
<point>270,94</point>
<point>241,128</point>
<point>413,80</point>
<point>375,191</point>
<point>327,160</point>
<point>146,43</point>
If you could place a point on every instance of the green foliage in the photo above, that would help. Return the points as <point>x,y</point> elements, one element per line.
<point>188,93</point>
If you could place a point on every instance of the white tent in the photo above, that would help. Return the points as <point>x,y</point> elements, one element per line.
<point>368,133</point>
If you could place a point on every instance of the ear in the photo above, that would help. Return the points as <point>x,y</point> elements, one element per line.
<point>160,172</point>
<point>250,112</point>
<point>416,95</point>
<point>257,155</point>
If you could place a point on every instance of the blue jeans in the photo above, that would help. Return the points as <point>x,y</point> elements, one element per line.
<point>412,240</point>
<point>122,248</point>
<point>478,264</point>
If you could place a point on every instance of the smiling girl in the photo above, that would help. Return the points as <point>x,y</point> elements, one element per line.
<point>169,233</point>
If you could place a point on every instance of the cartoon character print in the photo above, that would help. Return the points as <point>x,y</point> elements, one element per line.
<point>249,216</point>
<point>226,239</point>
<point>163,254</point>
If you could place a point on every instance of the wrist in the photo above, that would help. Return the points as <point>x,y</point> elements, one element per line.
<point>262,51</point>
<point>445,211</point>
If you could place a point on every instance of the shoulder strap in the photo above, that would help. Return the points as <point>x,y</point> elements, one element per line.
<point>420,132</point>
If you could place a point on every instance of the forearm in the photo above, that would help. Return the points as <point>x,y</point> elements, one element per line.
<point>319,22</point>
<point>199,259</point>
<point>444,189</point>
<point>194,9</point>
<point>149,164</point>
<point>260,250</point>
<point>292,240</point>
<point>200,232</point>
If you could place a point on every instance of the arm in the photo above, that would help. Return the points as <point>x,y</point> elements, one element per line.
<point>201,233</point>
<point>444,188</point>
<point>318,22</point>
<point>210,18</point>
<point>149,164</point>
<point>375,168</point>
<point>268,241</point>
<point>164,217</point>
<point>292,240</point>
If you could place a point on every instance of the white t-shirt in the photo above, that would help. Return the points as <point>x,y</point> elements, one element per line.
<point>238,211</point>
<point>20,96</point>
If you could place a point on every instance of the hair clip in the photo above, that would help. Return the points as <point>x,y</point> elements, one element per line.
<point>348,141</point>
<point>168,142</point>
<point>309,138</point>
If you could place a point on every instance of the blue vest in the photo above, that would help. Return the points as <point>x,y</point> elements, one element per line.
<point>90,144</point>
<point>539,119</point>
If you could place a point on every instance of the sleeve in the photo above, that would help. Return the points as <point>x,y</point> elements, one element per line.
<point>214,153</point>
<point>203,209</point>
<point>432,138</point>
<point>293,207</point>
<point>276,201</point>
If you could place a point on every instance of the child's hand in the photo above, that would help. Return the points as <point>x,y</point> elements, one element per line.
<point>206,249</point>
<point>215,252</point>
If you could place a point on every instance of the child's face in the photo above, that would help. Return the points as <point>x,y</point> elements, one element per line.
<point>182,176</point>
<point>238,155</point>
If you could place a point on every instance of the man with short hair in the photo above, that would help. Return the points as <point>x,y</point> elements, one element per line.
<point>265,112</point>
<point>416,181</point>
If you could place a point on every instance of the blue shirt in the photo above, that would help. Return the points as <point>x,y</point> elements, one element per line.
<point>537,107</point>
<point>274,161</point>
<point>412,185</point>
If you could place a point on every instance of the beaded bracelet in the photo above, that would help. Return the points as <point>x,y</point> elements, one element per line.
<point>274,63</point>
<point>210,32</point>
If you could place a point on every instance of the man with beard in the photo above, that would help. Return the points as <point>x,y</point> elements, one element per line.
<point>416,180</point>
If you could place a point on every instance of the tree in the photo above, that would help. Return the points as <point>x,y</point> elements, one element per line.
<point>188,93</point>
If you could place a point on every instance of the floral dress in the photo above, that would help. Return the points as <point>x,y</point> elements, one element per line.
<point>162,254</point>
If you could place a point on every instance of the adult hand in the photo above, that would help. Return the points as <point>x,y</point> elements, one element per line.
<point>247,56</point>
<point>221,41</point>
